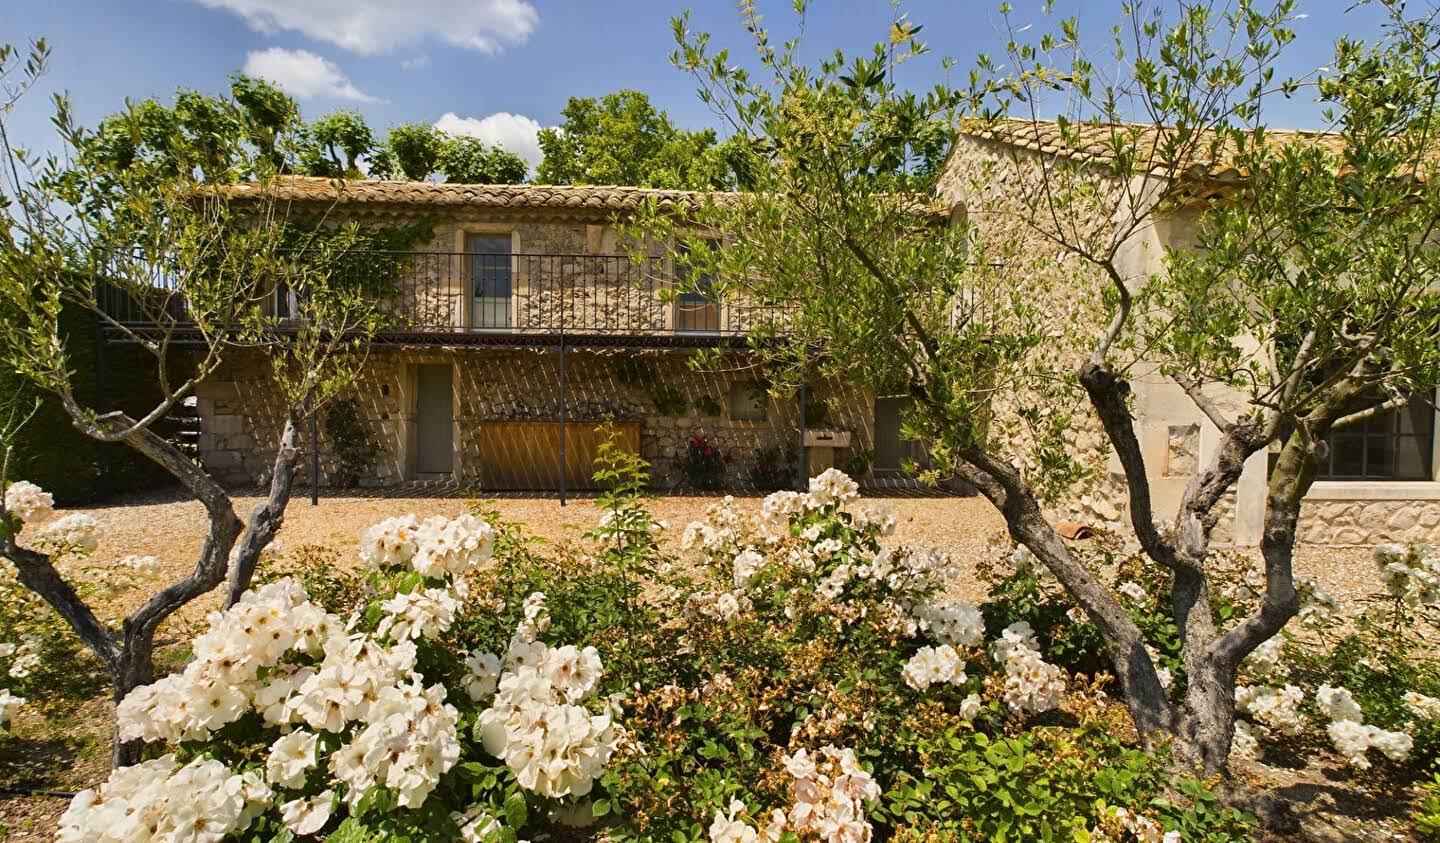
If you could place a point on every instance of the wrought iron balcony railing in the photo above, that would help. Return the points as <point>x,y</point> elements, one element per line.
<point>498,295</point>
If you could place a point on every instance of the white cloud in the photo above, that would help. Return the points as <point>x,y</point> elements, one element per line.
<point>303,74</point>
<point>380,26</point>
<point>415,62</point>
<point>514,132</point>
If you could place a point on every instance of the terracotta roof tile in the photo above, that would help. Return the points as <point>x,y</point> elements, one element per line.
<point>603,199</point>
<point>1092,142</point>
<point>446,194</point>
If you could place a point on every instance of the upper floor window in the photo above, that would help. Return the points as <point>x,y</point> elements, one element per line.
<point>696,308</point>
<point>286,303</point>
<point>1398,445</point>
<point>488,256</point>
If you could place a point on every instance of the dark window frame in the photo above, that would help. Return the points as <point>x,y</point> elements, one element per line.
<point>1372,450</point>
<point>487,272</point>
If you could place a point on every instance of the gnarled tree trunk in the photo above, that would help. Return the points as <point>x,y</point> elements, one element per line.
<point>128,653</point>
<point>266,518</point>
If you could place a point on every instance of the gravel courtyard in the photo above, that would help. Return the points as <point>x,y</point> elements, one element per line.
<point>172,529</point>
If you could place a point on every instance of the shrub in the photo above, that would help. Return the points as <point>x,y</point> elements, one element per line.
<point>1354,683</point>
<point>859,463</point>
<point>790,675</point>
<point>703,465</point>
<point>1427,813</point>
<point>1021,589</point>
<point>775,468</point>
<point>708,405</point>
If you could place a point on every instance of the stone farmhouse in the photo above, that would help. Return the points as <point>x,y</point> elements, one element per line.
<point>1381,482</point>
<point>526,320</point>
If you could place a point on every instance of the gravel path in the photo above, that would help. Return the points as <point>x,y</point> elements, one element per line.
<point>172,530</point>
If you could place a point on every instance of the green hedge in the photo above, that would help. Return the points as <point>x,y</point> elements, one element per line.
<point>51,452</point>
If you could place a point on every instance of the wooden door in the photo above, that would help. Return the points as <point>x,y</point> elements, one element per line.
<point>525,455</point>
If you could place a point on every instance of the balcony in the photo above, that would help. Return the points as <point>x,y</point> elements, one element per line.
<point>453,298</point>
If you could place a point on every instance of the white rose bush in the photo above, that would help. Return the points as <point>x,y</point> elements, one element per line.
<point>1359,682</point>
<point>792,674</point>
<point>292,720</point>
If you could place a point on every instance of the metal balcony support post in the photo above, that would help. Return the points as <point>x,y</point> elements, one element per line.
<point>314,460</point>
<point>102,451</point>
<point>804,455</point>
<point>562,418</point>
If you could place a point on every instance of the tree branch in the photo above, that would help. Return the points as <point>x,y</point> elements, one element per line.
<point>1107,393</point>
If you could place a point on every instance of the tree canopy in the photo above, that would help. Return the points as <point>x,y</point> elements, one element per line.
<point>1312,305</point>
<point>220,139</point>
<point>621,138</point>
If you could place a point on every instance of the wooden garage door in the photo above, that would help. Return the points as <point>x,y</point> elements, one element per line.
<point>526,454</point>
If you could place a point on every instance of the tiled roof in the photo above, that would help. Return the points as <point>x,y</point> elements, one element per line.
<point>603,198</point>
<point>596,199</point>
<point>1092,142</point>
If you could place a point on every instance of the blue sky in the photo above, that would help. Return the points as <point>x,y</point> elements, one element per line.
<point>498,68</point>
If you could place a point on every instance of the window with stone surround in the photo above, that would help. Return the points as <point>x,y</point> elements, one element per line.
<point>1398,445</point>
<point>697,311</point>
<point>490,279</point>
<point>747,401</point>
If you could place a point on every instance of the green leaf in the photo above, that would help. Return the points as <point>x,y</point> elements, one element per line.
<point>516,811</point>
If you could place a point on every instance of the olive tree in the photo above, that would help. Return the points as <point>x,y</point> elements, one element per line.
<point>1307,304</point>
<point>1312,297</point>
<point>137,225</point>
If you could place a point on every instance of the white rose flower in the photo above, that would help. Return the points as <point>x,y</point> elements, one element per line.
<point>290,757</point>
<point>951,622</point>
<point>76,533</point>
<point>28,502</point>
<point>450,547</point>
<point>307,816</point>
<point>139,564</point>
<point>833,486</point>
<point>10,705</point>
<point>476,826</point>
<point>745,564</point>
<point>934,666</point>
<point>390,543</point>
<point>1133,590</point>
<point>1338,704</point>
<point>1426,708</point>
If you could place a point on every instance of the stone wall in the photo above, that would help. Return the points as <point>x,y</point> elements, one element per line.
<point>986,181</point>
<point>1369,522</point>
<point>989,181</point>
<point>241,417</point>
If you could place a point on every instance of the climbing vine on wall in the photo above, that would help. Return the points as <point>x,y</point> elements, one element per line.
<point>638,373</point>
<point>352,442</point>
<point>371,257</point>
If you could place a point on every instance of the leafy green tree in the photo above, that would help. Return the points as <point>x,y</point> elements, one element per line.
<point>1315,299</point>
<point>266,114</point>
<point>137,215</point>
<point>472,161</point>
<point>621,138</point>
<point>335,144</point>
<point>411,151</point>
<point>218,139</point>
